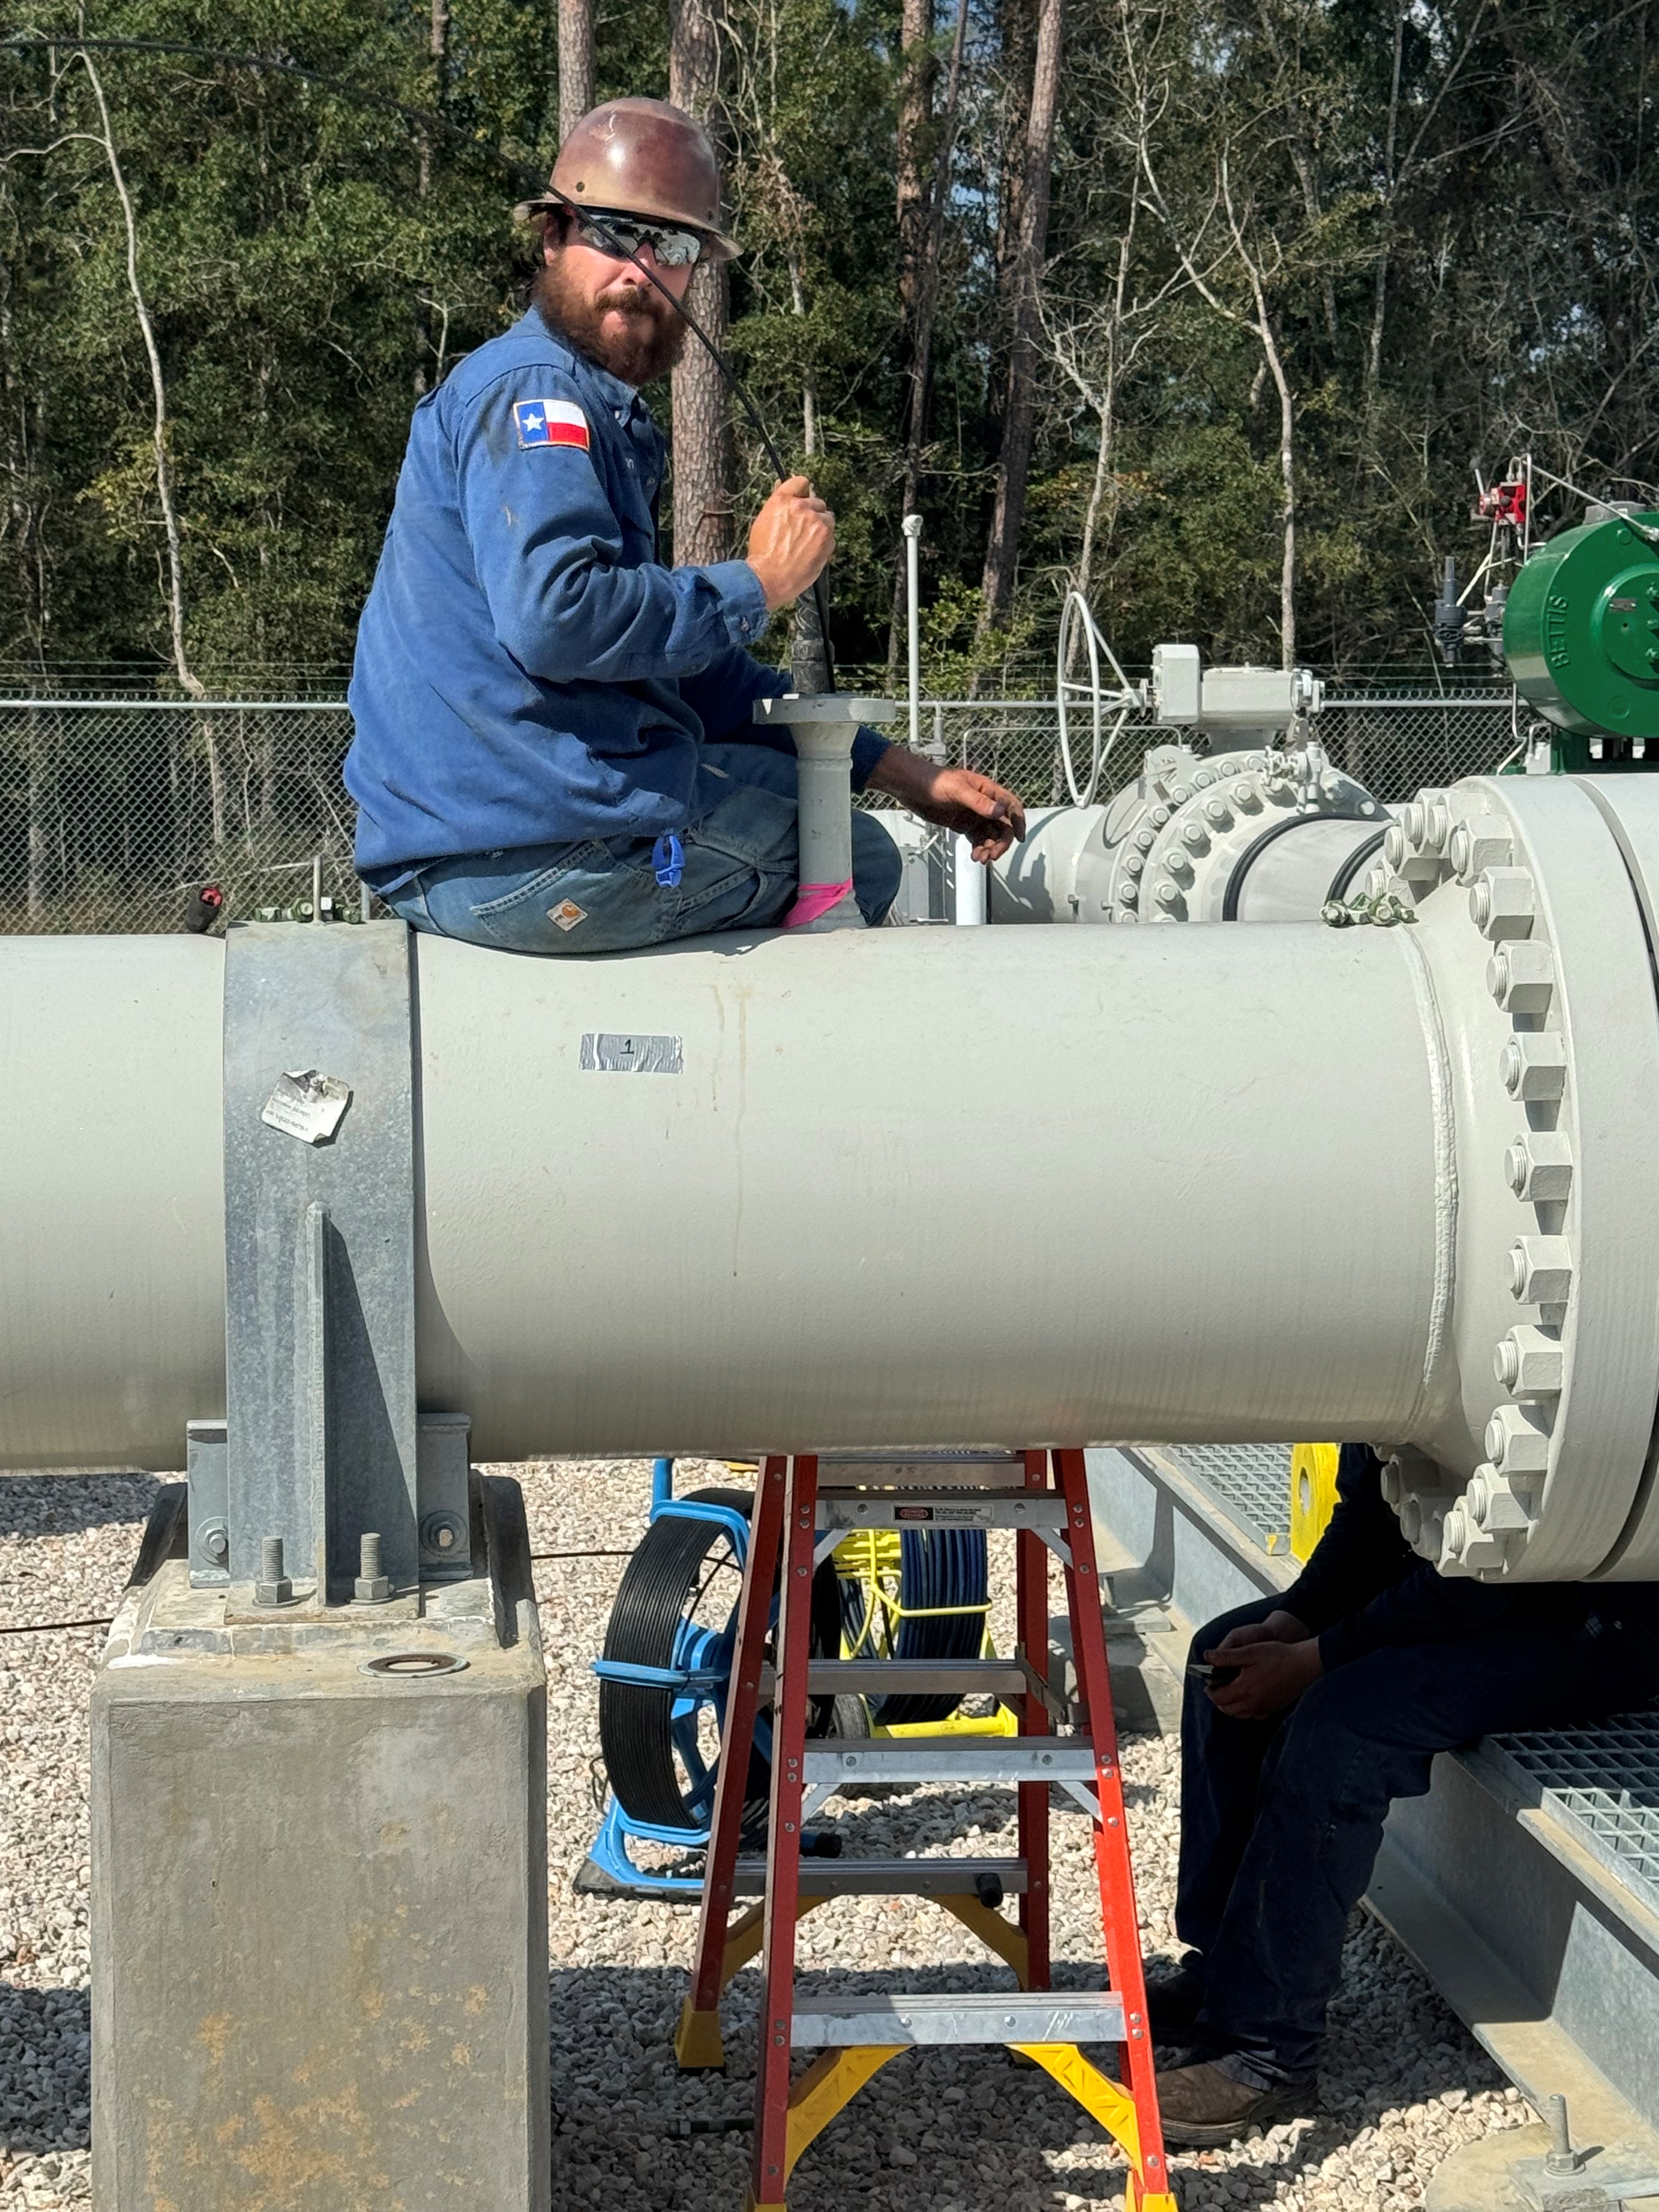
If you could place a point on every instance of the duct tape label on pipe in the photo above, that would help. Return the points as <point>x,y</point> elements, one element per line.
<point>609,1053</point>
<point>306,1105</point>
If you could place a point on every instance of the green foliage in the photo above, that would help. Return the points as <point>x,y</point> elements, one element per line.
<point>1463,268</point>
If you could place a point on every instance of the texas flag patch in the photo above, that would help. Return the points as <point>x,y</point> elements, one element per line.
<point>550,423</point>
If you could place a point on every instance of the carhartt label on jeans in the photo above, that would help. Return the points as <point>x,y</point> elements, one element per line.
<point>566,914</point>
<point>610,1052</point>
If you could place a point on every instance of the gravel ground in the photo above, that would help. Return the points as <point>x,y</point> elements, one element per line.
<point>1404,2085</point>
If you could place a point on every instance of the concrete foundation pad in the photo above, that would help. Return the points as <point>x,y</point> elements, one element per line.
<point>319,1905</point>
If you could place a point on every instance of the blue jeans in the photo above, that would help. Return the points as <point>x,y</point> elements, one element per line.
<point>1281,1819</point>
<point>603,896</point>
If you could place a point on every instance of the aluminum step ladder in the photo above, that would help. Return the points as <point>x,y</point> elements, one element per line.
<point>804,1507</point>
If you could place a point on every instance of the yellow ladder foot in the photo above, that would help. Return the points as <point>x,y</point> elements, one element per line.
<point>698,2047</point>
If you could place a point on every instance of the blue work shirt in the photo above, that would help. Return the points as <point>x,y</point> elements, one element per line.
<point>527,671</point>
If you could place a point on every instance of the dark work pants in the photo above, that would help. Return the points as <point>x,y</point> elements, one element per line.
<point>1281,1820</point>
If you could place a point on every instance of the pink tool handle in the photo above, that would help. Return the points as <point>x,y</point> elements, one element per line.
<point>814,899</point>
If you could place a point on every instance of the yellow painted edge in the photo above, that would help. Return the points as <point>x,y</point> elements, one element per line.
<point>830,2082</point>
<point>996,1934</point>
<point>698,2045</point>
<point>1101,2098</point>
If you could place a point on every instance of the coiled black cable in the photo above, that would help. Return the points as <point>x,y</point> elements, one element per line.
<point>674,1559</point>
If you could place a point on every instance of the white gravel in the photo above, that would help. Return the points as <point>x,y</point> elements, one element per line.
<point>1404,2085</point>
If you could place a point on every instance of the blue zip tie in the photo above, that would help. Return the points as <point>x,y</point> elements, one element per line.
<point>668,859</point>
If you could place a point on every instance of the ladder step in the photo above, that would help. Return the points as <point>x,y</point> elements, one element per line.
<point>954,1759</point>
<point>1021,2016</point>
<point>979,1470</point>
<point>878,1678</point>
<point>936,1877</point>
<point>939,1509</point>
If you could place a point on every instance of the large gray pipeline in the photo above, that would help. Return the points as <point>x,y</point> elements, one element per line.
<point>1012,1187</point>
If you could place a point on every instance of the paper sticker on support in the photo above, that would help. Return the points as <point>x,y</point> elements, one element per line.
<point>306,1105</point>
<point>610,1053</point>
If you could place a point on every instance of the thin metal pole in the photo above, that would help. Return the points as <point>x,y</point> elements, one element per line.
<point>911,527</point>
<point>316,886</point>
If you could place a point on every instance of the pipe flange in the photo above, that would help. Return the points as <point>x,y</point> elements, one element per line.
<point>1180,836</point>
<point>1520,905</point>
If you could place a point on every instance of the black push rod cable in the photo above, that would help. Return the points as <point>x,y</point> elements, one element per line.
<point>619,251</point>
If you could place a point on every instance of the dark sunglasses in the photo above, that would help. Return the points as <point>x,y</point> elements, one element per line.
<point>610,234</point>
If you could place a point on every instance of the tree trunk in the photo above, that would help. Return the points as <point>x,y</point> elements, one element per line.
<point>936,200</point>
<point>438,51</point>
<point>575,64</point>
<point>705,466</point>
<point>1380,284</point>
<point>915,115</point>
<point>1019,412</point>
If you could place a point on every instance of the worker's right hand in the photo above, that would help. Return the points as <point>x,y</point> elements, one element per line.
<point>790,542</point>
<point>1277,1628</point>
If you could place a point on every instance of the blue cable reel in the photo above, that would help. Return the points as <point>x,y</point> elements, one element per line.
<point>667,1667</point>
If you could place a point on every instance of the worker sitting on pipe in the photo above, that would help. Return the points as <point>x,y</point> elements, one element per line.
<point>555,747</point>
<point>1327,1704</point>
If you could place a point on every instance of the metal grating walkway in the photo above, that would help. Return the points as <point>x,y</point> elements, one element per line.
<point>1604,1783</point>
<point>1252,1480</point>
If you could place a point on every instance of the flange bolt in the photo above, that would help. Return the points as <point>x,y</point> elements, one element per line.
<point>1533,1066</point>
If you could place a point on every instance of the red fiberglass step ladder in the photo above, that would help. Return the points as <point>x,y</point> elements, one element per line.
<point>796,1523</point>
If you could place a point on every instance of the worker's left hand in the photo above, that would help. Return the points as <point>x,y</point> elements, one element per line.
<point>956,798</point>
<point>1271,1677</point>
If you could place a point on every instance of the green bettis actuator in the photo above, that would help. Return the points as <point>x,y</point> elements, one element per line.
<point>1581,637</point>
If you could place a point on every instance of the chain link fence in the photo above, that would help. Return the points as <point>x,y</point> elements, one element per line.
<point>112,811</point>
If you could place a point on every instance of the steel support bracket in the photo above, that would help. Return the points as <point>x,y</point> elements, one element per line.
<point>322,1435</point>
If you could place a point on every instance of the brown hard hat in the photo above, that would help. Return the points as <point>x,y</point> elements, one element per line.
<point>640,157</point>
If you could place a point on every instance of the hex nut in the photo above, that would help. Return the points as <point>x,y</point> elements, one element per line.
<point>1483,842</point>
<point>1533,1066</point>
<point>1168,893</point>
<point>1413,821</point>
<point>215,1542</point>
<point>1395,844</point>
<point>1179,865</point>
<point>1133,863</point>
<point>1503,902</point>
<point>1179,794</point>
<point>1530,1361</point>
<point>1521,977</point>
<point>1539,1167</point>
<point>1493,1504</point>
<point>1129,894</point>
<point>1146,838</point>
<point>1246,798</point>
<point>1540,1270</point>
<point>1216,810</point>
<point>1195,837</point>
<point>1517,1442</point>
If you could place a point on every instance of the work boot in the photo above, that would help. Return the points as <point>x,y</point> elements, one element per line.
<point>1175,1999</point>
<point>1202,2108</point>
